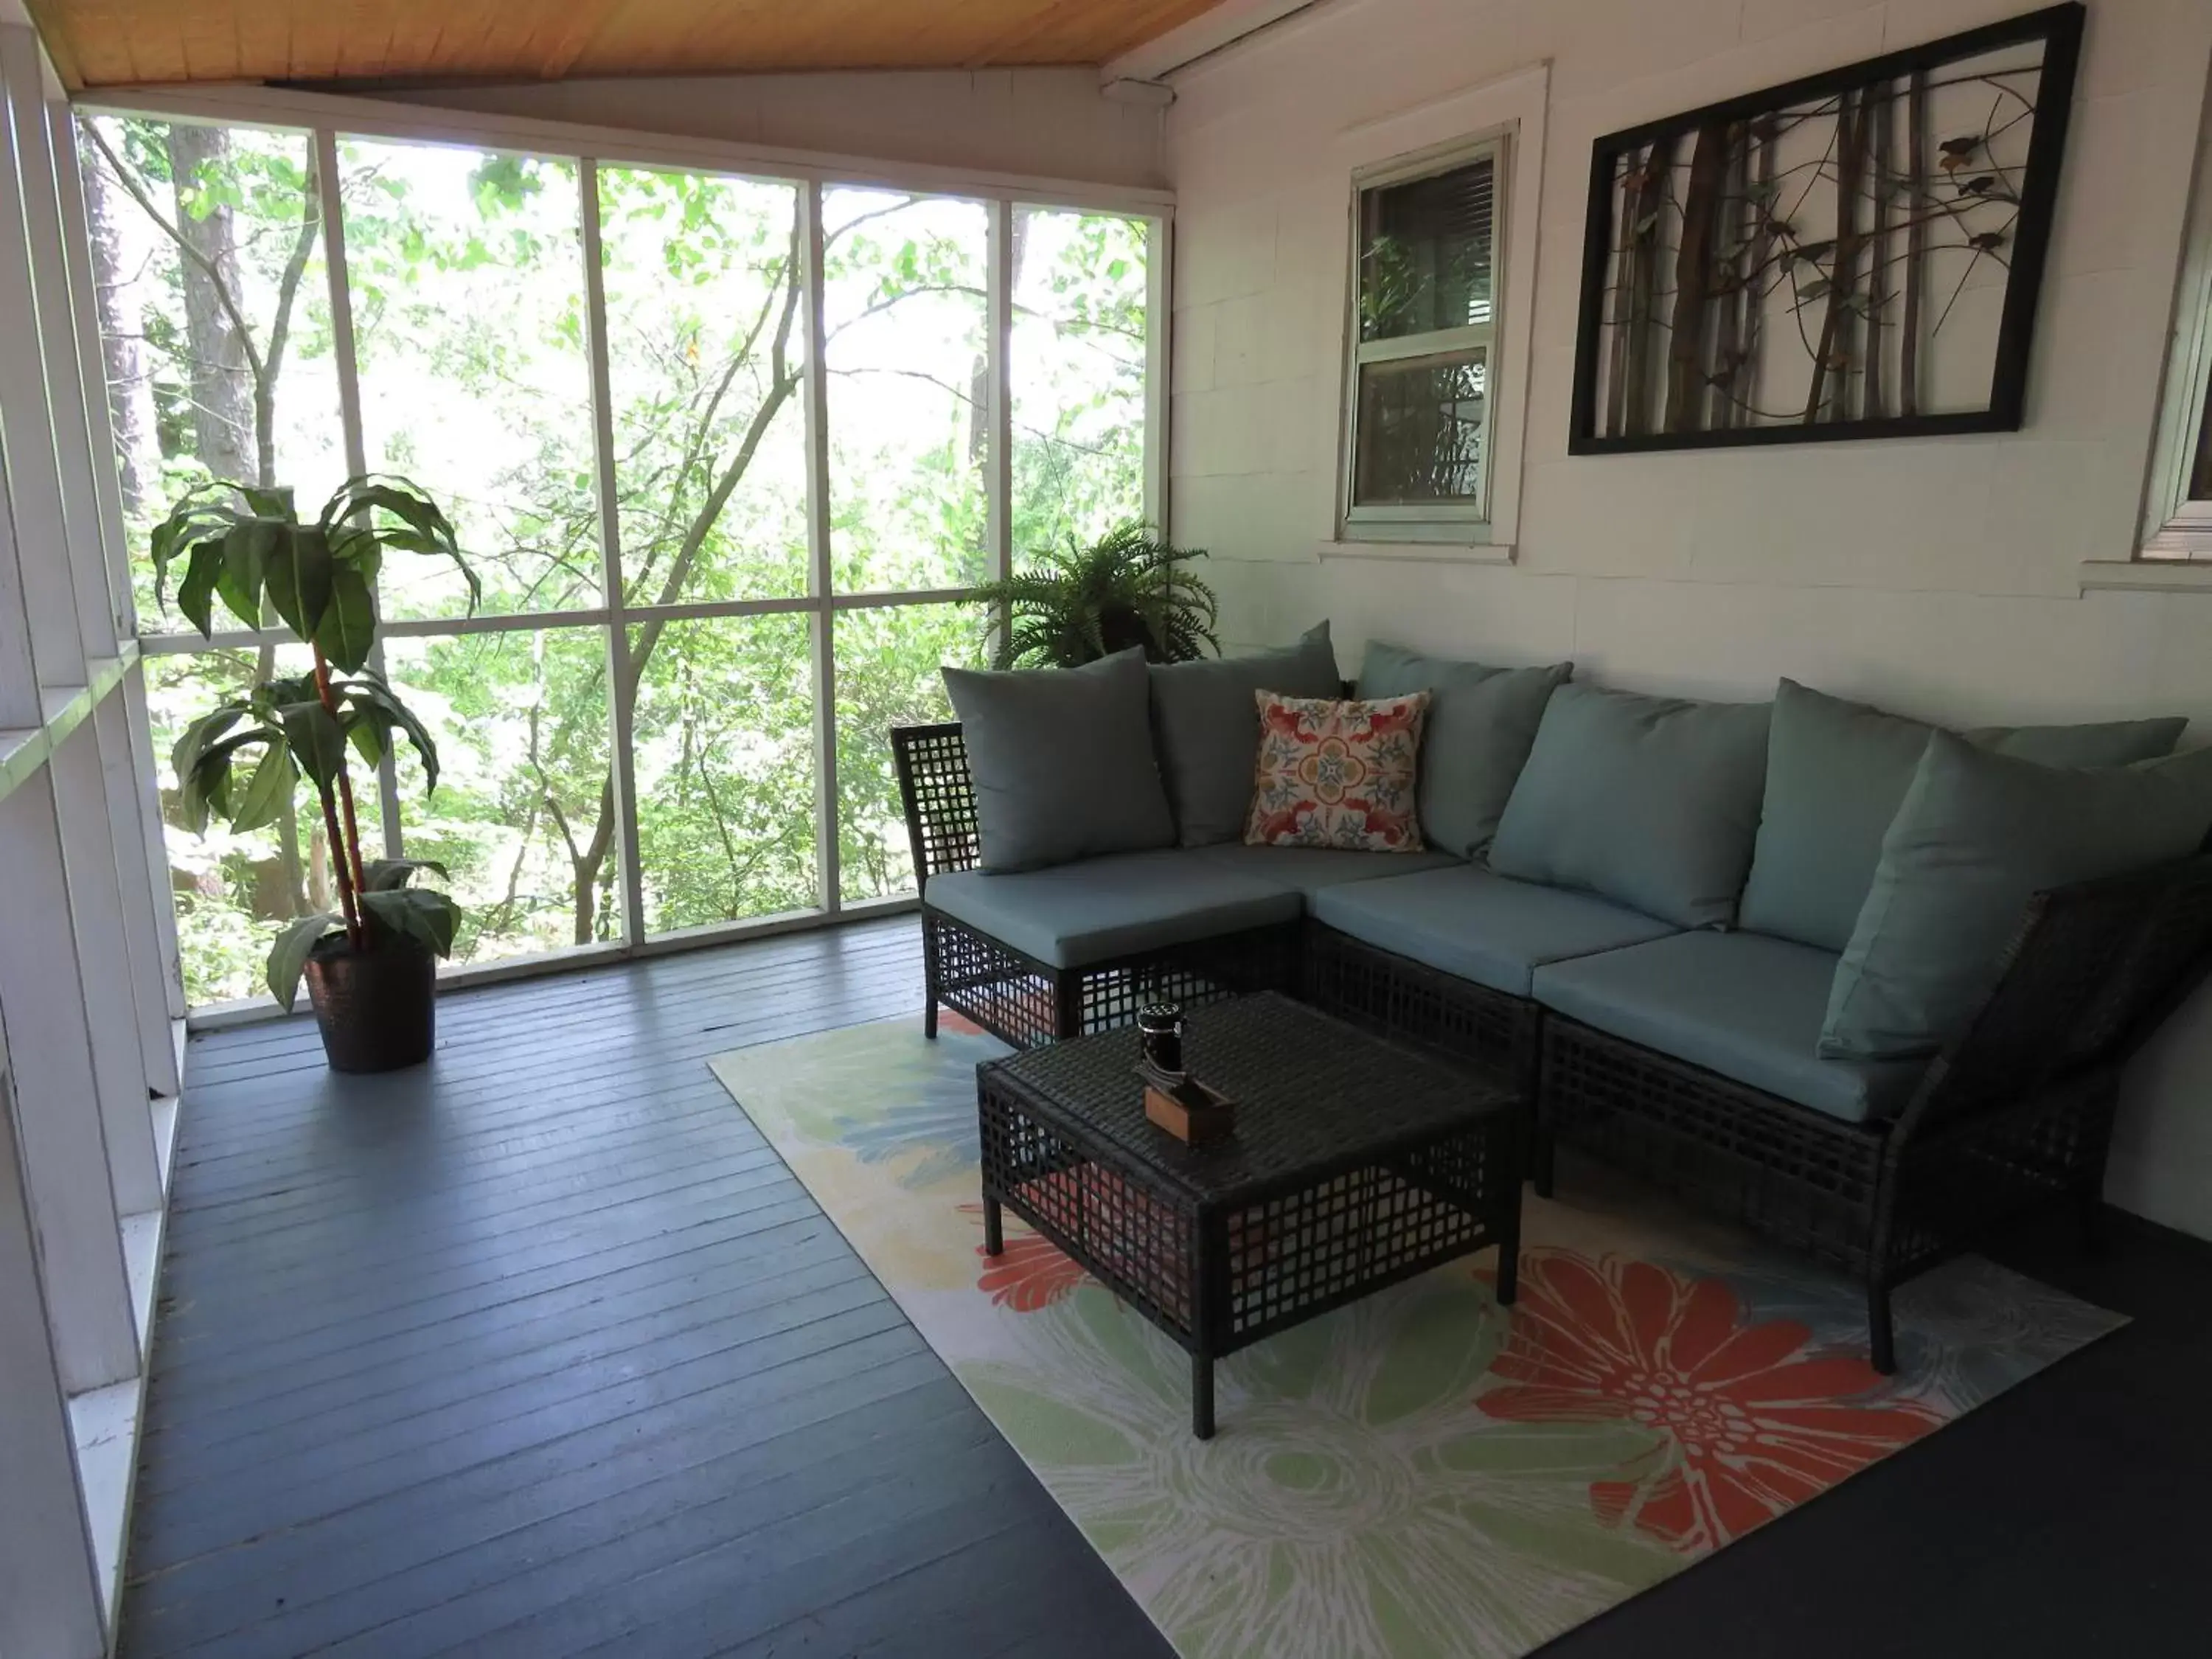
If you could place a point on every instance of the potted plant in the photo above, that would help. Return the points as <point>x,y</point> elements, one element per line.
<point>368,964</point>
<point>1129,588</point>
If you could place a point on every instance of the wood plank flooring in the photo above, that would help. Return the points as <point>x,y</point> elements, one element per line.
<point>542,1351</point>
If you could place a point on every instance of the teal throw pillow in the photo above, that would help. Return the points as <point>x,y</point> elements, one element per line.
<point>1651,801</point>
<point>1482,722</point>
<point>1061,759</point>
<point>1205,716</point>
<point>1980,835</point>
<point>1836,774</point>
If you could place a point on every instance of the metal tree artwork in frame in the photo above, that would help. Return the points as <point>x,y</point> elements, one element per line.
<point>1853,255</point>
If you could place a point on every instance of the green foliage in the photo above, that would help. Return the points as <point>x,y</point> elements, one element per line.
<point>301,729</point>
<point>1078,604</point>
<point>420,914</point>
<point>246,546</point>
<point>467,282</point>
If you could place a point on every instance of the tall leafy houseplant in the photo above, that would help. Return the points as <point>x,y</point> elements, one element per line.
<point>368,963</point>
<point>1078,604</point>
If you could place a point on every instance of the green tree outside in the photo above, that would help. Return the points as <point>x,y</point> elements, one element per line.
<point>469,303</point>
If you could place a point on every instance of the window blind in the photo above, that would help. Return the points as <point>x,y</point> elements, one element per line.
<point>1425,253</point>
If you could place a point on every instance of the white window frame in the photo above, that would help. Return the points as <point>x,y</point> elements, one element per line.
<point>2176,527</point>
<point>328,117</point>
<point>1510,112</point>
<point>1443,521</point>
<point>89,1056</point>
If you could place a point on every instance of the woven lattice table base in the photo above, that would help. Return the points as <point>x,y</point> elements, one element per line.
<point>1355,1164</point>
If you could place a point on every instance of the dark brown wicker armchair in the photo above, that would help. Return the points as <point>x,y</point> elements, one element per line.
<point>1027,1002</point>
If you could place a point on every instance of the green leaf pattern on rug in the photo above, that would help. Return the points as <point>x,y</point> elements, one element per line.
<point>1355,1494</point>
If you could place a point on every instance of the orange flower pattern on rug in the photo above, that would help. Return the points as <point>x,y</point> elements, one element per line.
<point>1337,774</point>
<point>1032,1273</point>
<point>1752,1424</point>
<point>1029,1276</point>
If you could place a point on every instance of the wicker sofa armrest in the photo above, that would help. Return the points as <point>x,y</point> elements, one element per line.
<point>2094,969</point>
<point>939,798</point>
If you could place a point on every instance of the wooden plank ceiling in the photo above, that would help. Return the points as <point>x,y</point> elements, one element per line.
<point>123,42</point>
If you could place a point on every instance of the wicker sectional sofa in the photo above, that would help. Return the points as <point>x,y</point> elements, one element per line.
<point>1686,1054</point>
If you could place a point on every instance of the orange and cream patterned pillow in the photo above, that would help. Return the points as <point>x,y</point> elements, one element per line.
<point>1337,774</point>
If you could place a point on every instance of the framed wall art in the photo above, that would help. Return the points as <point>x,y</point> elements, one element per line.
<point>1857,254</point>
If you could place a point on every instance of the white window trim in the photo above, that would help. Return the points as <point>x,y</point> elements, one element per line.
<point>1507,115</point>
<point>1427,520</point>
<point>89,1051</point>
<point>2175,527</point>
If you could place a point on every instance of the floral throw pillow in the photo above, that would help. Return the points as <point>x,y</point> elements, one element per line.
<point>1337,774</point>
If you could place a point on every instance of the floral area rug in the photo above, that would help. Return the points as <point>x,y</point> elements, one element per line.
<point>1424,1472</point>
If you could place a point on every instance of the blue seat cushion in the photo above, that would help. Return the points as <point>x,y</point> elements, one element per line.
<point>1074,914</point>
<point>1745,1005</point>
<point>1308,870</point>
<point>1484,927</point>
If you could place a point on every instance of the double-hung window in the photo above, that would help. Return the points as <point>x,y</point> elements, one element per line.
<point>2177,514</point>
<point>2182,522</point>
<point>1423,332</point>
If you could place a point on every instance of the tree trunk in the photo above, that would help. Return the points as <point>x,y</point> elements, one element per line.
<point>1646,232</point>
<point>1694,266</point>
<point>1881,111</point>
<point>222,382</point>
<point>1730,239</point>
<point>1742,386</point>
<point>122,320</point>
<point>1916,241</point>
<point>587,900</point>
<point>226,397</point>
<point>1836,333</point>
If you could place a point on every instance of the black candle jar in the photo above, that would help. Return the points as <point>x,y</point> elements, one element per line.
<point>1159,1036</point>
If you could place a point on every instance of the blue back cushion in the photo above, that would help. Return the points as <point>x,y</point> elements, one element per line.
<point>1978,836</point>
<point>1208,726</point>
<point>1651,801</point>
<point>1836,774</point>
<point>1062,762</point>
<point>1481,724</point>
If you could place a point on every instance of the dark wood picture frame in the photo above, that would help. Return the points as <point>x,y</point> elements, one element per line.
<point>1666,406</point>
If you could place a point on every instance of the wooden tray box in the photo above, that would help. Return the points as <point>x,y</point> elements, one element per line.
<point>1188,1109</point>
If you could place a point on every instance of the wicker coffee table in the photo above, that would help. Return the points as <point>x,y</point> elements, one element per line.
<point>1355,1164</point>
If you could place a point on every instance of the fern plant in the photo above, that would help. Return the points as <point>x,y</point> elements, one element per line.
<point>1078,604</point>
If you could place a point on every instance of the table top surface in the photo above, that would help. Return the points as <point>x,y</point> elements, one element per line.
<point>1313,1095</point>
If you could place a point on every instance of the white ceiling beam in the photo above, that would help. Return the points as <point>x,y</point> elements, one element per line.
<point>1209,32</point>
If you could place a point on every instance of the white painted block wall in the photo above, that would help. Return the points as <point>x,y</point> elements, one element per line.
<point>1936,577</point>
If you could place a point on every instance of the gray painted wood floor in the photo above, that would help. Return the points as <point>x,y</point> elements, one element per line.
<point>541,1351</point>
